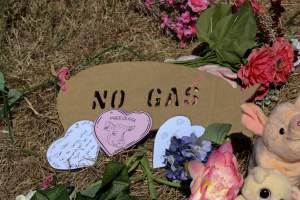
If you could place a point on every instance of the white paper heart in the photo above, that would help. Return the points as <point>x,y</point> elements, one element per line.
<point>77,149</point>
<point>178,126</point>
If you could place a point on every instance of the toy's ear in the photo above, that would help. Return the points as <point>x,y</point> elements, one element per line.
<point>295,193</point>
<point>253,118</point>
<point>259,174</point>
<point>297,103</point>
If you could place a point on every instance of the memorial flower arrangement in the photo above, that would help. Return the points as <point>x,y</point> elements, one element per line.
<point>245,37</point>
<point>178,17</point>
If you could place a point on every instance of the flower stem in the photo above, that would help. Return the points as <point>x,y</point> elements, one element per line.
<point>146,169</point>
<point>166,182</point>
<point>137,178</point>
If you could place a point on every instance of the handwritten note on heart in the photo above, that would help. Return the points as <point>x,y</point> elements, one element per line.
<point>178,126</point>
<point>77,149</point>
<point>117,130</point>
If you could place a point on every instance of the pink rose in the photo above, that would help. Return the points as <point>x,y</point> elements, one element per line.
<point>198,5</point>
<point>219,179</point>
<point>256,7</point>
<point>283,56</point>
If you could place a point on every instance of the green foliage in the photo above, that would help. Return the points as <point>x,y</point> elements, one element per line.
<point>216,132</point>
<point>2,82</point>
<point>9,97</point>
<point>228,35</point>
<point>114,184</point>
<point>58,192</point>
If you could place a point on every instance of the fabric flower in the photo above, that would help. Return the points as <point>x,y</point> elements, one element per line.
<point>283,56</point>
<point>219,179</point>
<point>183,150</point>
<point>256,7</point>
<point>170,2</point>
<point>260,68</point>
<point>166,22</point>
<point>148,3</point>
<point>48,182</point>
<point>62,74</point>
<point>198,5</point>
<point>185,17</point>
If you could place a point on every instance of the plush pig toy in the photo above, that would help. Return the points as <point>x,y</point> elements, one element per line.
<point>267,184</point>
<point>278,144</point>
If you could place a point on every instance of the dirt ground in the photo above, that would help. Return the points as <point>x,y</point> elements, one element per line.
<point>37,35</point>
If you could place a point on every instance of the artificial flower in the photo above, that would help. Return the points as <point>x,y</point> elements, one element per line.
<point>166,22</point>
<point>185,17</point>
<point>198,5</point>
<point>170,2</point>
<point>27,196</point>
<point>62,74</point>
<point>183,150</point>
<point>256,7</point>
<point>48,182</point>
<point>218,179</point>
<point>148,3</point>
<point>283,56</point>
<point>260,68</point>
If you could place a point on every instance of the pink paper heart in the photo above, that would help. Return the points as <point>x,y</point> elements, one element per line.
<point>117,130</point>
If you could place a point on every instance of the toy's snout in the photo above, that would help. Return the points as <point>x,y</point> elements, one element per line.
<point>295,123</point>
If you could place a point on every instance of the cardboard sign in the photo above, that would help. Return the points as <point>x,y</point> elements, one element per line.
<point>178,126</point>
<point>160,89</point>
<point>77,149</point>
<point>117,130</point>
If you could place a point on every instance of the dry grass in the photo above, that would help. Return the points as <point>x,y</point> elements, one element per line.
<point>38,34</point>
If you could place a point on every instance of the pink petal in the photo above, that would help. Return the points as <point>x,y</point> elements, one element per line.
<point>195,168</point>
<point>223,72</point>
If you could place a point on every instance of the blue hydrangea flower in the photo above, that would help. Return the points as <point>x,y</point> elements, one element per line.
<point>183,150</point>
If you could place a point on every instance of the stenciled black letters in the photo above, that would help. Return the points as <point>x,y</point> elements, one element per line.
<point>157,100</point>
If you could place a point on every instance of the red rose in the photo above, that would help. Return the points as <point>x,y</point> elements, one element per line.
<point>260,68</point>
<point>283,56</point>
<point>256,7</point>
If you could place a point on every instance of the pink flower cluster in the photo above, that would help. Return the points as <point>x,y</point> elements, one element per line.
<point>179,17</point>
<point>266,65</point>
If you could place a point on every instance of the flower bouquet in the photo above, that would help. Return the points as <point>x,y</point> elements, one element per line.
<point>244,37</point>
<point>208,161</point>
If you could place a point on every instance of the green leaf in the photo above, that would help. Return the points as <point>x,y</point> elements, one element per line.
<point>115,180</point>
<point>111,172</point>
<point>2,82</point>
<point>229,35</point>
<point>14,96</point>
<point>92,190</point>
<point>124,196</point>
<point>234,35</point>
<point>39,196</point>
<point>208,19</point>
<point>58,192</point>
<point>216,132</point>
